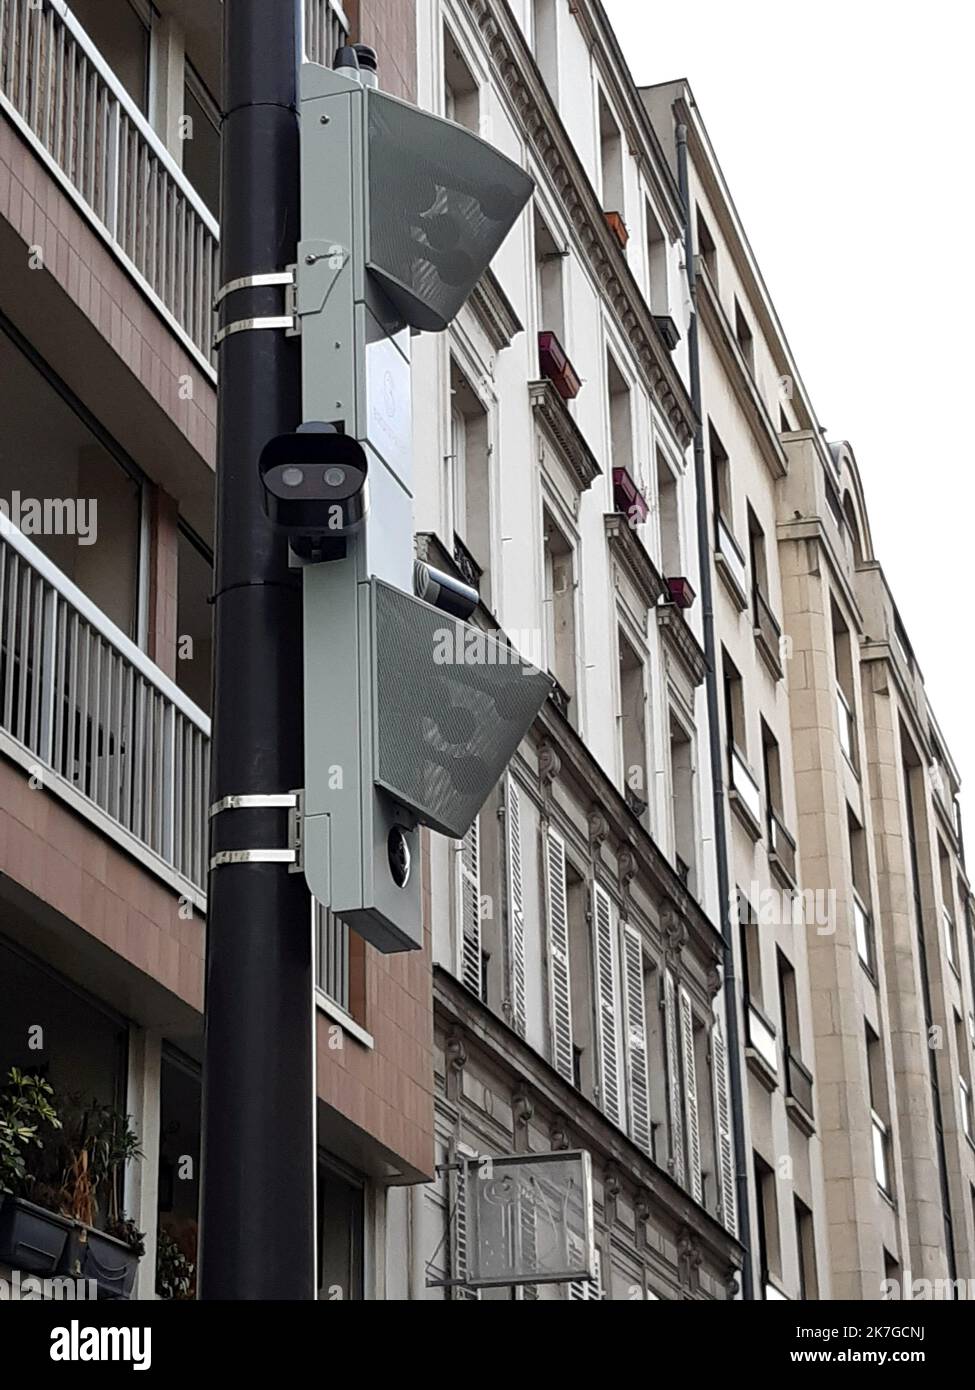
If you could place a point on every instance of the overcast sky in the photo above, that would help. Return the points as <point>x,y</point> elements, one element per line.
<point>845,133</point>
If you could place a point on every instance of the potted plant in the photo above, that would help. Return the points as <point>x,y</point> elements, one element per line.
<point>32,1239</point>
<point>100,1146</point>
<point>175,1272</point>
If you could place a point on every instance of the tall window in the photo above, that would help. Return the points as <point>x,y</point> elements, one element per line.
<point>194,617</point>
<point>860,875</point>
<point>668,511</point>
<point>633,732</point>
<point>879,1110</point>
<point>545,36</point>
<point>610,159</point>
<point>720,478</point>
<point>201,140</point>
<point>120,32</point>
<point>462,102</point>
<point>549,287</point>
<point>469,484</point>
<point>743,333</point>
<point>656,264</point>
<point>769,1243</point>
<point>806,1247</point>
<point>682,800</point>
<point>845,697</point>
<point>620,416</point>
<point>706,248</point>
<point>560,606</point>
<point>734,705</point>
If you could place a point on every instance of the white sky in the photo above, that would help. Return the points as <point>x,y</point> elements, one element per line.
<point>845,133</point>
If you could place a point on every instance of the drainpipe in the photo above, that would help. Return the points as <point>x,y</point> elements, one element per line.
<point>714,731</point>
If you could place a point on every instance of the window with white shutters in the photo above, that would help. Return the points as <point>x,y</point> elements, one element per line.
<point>637,1062</point>
<point>461,1174</point>
<point>516,908</point>
<point>607,1007</point>
<point>469,900</point>
<point>584,1290</point>
<point>558,955</point>
<point>723,1134</point>
<point>675,1109</point>
<point>689,1073</point>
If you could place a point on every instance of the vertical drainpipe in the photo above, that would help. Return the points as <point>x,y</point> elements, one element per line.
<point>714,731</point>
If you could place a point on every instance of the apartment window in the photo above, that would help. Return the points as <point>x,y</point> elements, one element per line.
<point>860,873</point>
<point>462,101</point>
<point>620,416</point>
<point>949,923</point>
<point>743,334</point>
<point>53,450</point>
<point>545,36</point>
<point>964,1078</point>
<point>610,159</point>
<point>201,140</point>
<point>682,800</point>
<point>586,1060</point>
<point>549,289</point>
<point>879,1111</point>
<point>633,729</point>
<point>341,1233</point>
<point>656,252</point>
<point>468,478</point>
<point>769,1243</point>
<point>706,248</point>
<point>806,1248</point>
<point>668,510</point>
<point>734,705</point>
<point>772,767</point>
<point>559,601</point>
<point>120,32</point>
<point>194,617</point>
<point>759,562</point>
<point>178,1199</point>
<point>799,1081</point>
<point>845,699</point>
<point>759,1029</point>
<point>720,478</point>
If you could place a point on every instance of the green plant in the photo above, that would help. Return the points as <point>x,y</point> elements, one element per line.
<point>127,1231</point>
<point>26,1105</point>
<point>174,1272</point>
<point>99,1143</point>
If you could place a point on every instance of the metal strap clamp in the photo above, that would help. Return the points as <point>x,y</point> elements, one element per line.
<point>249,801</point>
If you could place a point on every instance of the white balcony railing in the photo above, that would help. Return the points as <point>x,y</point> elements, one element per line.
<point>95,721</point>
<point>71,107</point>
<point>326,27</point>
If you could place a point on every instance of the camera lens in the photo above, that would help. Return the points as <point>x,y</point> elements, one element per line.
<point>334,477</point>
<point>292,477</point>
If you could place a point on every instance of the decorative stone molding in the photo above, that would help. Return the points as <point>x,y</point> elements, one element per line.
<point>731,1283</point>
<point>542,126</point>
<point>674,931</point>
<point>633,558</point>
<point>714,981</point>
<point>689,1259</point>
<point>626,862</point>
<point>567,438</point>
<point>456,1052</point>
<point>643,1205</point>
<point>559,1135</point>
<point>598,829</point>
<point>549,764</point>
<point>495,311</point>
<point>682,642</point>
<point>522,1107</point>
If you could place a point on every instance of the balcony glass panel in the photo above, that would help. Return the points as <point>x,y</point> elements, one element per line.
<point>782,844</point>
<point>799,1081</point>
<point>881,1157</point>
<point>729,550</point>
<point>761,1036</point>
<point>863,928</point>
<point>745,785</point>
<point>847,726</point>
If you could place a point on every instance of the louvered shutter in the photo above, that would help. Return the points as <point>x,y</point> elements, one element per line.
<point>584,1290</point>
<point>558,956</point>
<point>675,1109</point>
<point>528,1239</point>
<point>637,1062</point>
<point>690,1095</point>
<point>469,897</point>
<point>607,995</point>
<point>725,1140</point>
<point>462,1174</point>
<point>516,908</point>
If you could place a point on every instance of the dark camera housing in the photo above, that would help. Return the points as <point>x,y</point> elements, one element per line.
<point>314,485</point>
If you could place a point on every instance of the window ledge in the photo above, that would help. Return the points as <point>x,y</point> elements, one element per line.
<point>737,593</point>
<point>768,655</point>
<point>800,1116</point>
<point>761,1069</point>
<point>345,1020</point>
<point>744,815</point>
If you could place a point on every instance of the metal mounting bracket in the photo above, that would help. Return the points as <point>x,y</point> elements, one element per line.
<point>249,801</point>
<point>289,321</point>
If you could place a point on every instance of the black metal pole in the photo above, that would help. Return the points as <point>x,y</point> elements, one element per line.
<point>258,1141</point>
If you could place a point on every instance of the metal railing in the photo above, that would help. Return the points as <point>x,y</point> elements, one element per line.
<point>326,27</point>
<point>781,844</point>
<point>94,719</point>
<point>67,101</point>
<point>332,936</point>
<point>744,784</point>
<point>730,551</point>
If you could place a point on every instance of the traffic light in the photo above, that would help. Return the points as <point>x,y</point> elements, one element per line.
<point>410,714</point>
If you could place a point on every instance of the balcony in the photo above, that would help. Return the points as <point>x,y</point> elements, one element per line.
<point>760,1045</point>
<point>86,711</point>
<point>863,931</point>
<point>744,793</point>
<point>782,849</point>
<point>847,728</point>
<point>731,563</point>
<point>799,1091</point>
<point>71,108</point>
<point>768,634</point>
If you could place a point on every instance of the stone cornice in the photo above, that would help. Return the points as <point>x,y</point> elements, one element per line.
<point>740,378</point>
<point>682,642</point>
<point>477,1026</point>
<point>542,126</point>
<point>630,553</point>
<point>564,433</point>
<point>495,311</point>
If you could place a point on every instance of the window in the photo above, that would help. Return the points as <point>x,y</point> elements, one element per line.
<point>194,617</point>
<point>845,699</point>
<point>633,734</point>
<point>682,1097</point>
<point>341,1234</point>
<point>757,555</point>
<point>706,249</point>
<point>683,817</point>
<point>751,950</point>
<point>799,1081</point>
<point>772,767</point>
<point>120,32</point>
<point>550,304</point>
<point>462,101</point>
<point>806,1248</point>
<point>610,160</point>
<point>560,620</point>
<point>948,907</point>
<point>583,994</point>
<point>620,416</point>
<point>743,334</point>
<point>767,1212</point>
<point>545,35</point>
<point>720,478</point>
<point>468,481</point>
<point>178,1200</point>
<point>668,509</point>
<point>657,293</point>
<point>879,1111</point>
<point>860,874</point>
<point>201,140</point>
<point>734,705</point>
<point>964,1079</point>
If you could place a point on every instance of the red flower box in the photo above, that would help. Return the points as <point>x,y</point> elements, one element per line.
<point>627,497</point>
<point>618,228</point>
<point>556,366</point>
<point>681,592</point>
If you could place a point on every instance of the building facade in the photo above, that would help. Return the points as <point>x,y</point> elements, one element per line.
<point>742,983</point>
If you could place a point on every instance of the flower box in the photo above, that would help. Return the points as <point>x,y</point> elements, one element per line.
<point>556,366</point>
<point>681,592</point>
